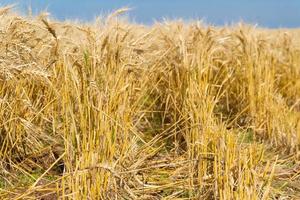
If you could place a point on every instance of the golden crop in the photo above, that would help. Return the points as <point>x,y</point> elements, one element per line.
<point>116,110</point>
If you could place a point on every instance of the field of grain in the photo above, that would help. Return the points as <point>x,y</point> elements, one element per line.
<point>116,110</point>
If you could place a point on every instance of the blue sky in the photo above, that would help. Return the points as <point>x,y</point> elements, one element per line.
<point>268,13</point>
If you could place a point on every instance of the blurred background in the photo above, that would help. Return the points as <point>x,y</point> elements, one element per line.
<point>267,13</point>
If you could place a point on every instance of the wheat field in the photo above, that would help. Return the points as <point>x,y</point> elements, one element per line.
<point>176,110</point>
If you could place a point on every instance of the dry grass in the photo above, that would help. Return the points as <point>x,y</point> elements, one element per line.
<point>114,110</point>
